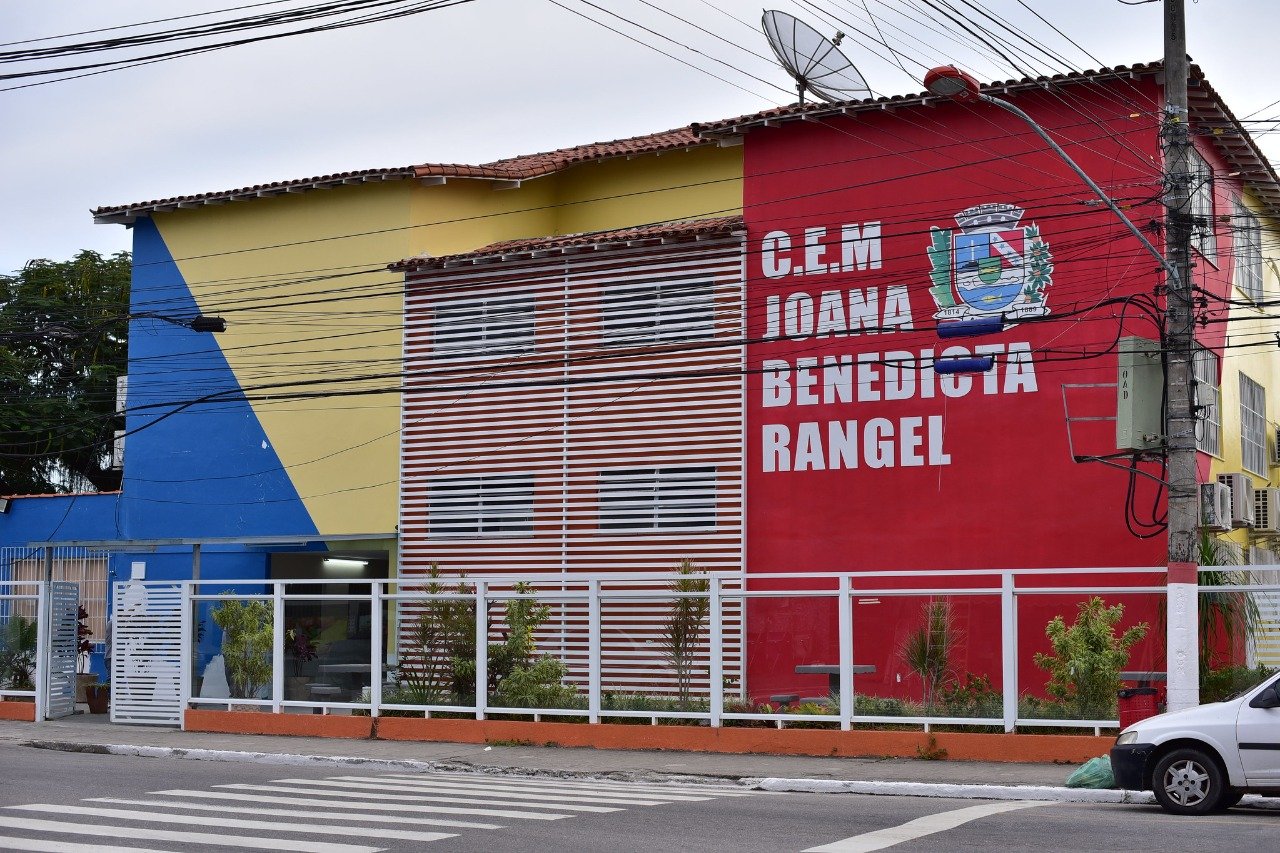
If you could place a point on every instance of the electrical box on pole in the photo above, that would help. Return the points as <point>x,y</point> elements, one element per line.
<point>1139,395</point>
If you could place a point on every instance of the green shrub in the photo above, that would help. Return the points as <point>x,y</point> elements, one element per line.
<point>1084,670</point>
<point>247,637</point>
<point>971,697</point>
<point>927,650</point>
<point>879,706</point>
<point>1219,684</point>
<point>686,627</point>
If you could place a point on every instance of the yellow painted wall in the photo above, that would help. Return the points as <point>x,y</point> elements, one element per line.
<point>1260,363</point>
<point>342,453</point>
<point>619,193</point>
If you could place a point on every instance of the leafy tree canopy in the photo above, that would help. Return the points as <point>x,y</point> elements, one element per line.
<point>63,342</point>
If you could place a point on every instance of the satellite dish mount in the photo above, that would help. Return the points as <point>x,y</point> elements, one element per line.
<point>813,61</point>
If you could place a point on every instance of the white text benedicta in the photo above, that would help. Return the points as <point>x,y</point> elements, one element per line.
<point>870,377</point>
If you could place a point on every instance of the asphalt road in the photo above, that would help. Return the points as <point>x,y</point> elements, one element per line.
<point>56,801</point>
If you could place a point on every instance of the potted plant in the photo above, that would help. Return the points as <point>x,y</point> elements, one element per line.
<point>300,649</point>
<point>98,697</point>
<point>18,654</point>
<point>247,635</point>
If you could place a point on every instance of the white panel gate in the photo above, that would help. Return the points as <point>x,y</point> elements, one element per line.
<point>60,623</point>
<point>146,653</point>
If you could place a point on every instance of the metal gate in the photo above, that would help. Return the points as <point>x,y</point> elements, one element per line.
<point>61,649</point>
<point>146,653</point>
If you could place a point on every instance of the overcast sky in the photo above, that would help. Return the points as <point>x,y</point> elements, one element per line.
<point>496,78</point>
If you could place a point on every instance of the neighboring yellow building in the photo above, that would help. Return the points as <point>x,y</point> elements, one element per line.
<point>314,319</point>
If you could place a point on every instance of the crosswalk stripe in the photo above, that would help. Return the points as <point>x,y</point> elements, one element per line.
<point>298,813</point>
<point>509,792</point>
<point>143,833</point>
<point>371,806</point>
<point>235,823</point>
<point>713,790</point>
<point>501,783</point>
<point>920,827</point>
<point>40,845</point>
<point>430,798</point>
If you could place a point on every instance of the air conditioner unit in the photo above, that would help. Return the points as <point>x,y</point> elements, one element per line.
<point>1215,506</point>
<point>1266,511</point>
<point>1275,449</point>
<point>1241,486</point>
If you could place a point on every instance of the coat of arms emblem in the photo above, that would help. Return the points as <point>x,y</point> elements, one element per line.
<point>990,266</point>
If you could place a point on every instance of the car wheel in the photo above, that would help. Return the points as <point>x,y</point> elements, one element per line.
<point>1188,782</point>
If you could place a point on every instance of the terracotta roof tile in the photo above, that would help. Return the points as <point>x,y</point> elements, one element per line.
<point>511,169</point>
<point>536,165</point>
<point>682,231</point>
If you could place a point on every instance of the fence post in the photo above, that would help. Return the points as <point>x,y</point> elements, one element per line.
<point>186,651</point>
<point>277,647</point>
<point>1009,650</point>
<point>482,649</point>
<point>42,648</point>
<point>717,651</point>
<point>593,652</point>
<point>375,647</point>
<point>846,652</point>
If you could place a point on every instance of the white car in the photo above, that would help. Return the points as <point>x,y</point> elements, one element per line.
<point>1204,759</point>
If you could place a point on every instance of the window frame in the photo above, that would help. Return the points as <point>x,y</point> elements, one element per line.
<point>657,499</point>
<point>1246,242</point>
<point>501,324</point>
<point>1204,237</point>
<point>647,311</point>
<point>1205,370</point>
<point>488,506</point>
<point>1253,426</point>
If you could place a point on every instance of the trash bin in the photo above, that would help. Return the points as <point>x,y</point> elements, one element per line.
<point>1136,703</point>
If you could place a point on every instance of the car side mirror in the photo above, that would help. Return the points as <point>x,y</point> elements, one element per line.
<point>1269,698</point>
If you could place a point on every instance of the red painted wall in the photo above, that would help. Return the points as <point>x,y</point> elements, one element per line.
<point>925,472</point>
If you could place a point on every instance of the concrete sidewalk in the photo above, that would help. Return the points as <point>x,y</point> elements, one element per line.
<point>94,732</point>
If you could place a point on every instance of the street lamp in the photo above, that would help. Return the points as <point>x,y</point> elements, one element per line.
<point>947,81</point>
<point>1182,644</point>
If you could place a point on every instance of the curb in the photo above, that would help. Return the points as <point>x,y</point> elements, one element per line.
<point>934,790</point>
<point>957,791</point>
<point>296,760</point>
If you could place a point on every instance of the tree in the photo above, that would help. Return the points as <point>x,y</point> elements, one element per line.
<point>1084,670</point>
<point>63,342</point>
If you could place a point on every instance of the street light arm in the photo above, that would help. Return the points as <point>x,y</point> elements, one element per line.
<point>1084,176</point>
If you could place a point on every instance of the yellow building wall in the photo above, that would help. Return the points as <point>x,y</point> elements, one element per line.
<point>301,281</point>
<point>333,245</point>
<point>1251,350</point>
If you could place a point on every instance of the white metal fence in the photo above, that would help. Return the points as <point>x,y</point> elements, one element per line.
<point>326,647</point>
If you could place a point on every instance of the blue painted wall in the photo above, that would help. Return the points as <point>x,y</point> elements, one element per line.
<point>198,461</point>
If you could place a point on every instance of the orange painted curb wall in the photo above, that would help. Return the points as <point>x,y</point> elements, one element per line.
<point>23,711</point>
<point>261,723</point>
<point>967,746</point>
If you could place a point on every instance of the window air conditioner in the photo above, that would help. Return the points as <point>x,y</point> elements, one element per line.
<point>1241,486</point>
<point>1215,507</point>
<point>1266,511</point>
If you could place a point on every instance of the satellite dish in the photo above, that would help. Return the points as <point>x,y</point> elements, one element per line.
<point>813,60</point>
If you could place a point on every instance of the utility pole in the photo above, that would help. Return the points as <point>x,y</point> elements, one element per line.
<point>1182,617</point>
